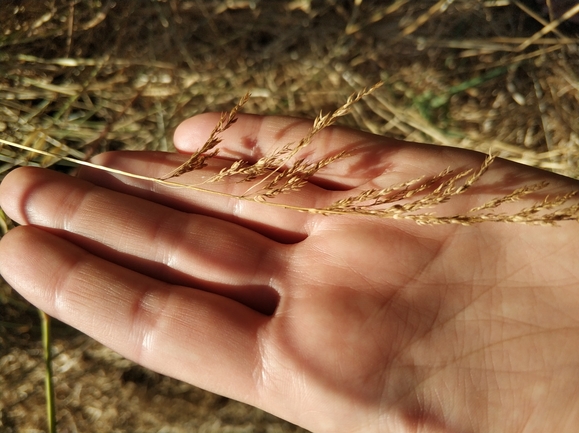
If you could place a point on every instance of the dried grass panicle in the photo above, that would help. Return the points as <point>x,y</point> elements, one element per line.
<point>280,173</point>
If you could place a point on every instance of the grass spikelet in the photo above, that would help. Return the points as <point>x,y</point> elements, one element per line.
<point>375,197</point>
<point>295,177</point>
<point>198,159</point>
<point>516,195</point>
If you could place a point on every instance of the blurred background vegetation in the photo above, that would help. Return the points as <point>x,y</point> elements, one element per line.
<point>79,77</point>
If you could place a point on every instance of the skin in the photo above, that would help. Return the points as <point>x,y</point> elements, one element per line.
<point>335,323</point>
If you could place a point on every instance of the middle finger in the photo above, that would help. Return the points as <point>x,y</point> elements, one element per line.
<point>153,239</point>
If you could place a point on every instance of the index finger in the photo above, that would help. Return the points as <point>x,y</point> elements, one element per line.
<point>369,157</point>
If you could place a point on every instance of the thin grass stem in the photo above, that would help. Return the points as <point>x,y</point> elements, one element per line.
<point>445,191</point>
<point>48,382</point>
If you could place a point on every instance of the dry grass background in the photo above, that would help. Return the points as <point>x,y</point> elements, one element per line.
<point>82,77</point>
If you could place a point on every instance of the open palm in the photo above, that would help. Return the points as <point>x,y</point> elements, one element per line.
<point>336,323</point>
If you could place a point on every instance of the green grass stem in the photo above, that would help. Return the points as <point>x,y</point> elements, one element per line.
<point>48,382</point>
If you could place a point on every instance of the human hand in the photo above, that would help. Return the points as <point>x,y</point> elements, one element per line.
<point>336,323</point>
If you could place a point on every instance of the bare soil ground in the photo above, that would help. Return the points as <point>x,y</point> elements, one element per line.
<point>82,77</point>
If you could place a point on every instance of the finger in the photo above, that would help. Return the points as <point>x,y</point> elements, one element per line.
<point>186,333</point>
<point>153,239</point>
<point>283,226</point>
<point>372,160</point>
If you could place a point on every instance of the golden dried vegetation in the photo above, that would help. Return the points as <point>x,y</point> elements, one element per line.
<point>82,77</point>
